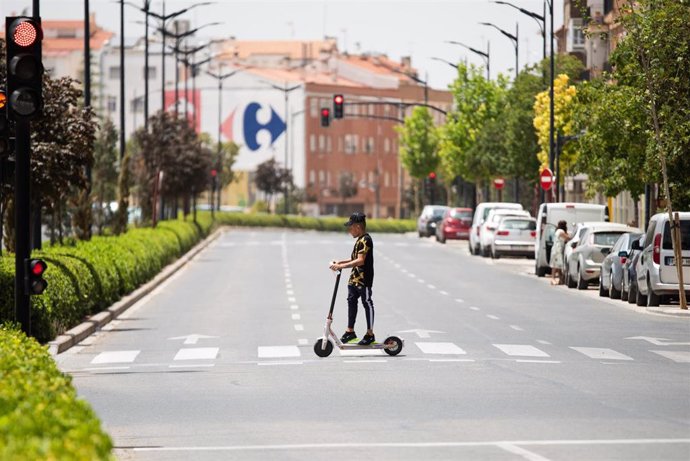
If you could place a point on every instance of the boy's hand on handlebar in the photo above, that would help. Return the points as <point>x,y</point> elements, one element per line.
<point>334,266</point>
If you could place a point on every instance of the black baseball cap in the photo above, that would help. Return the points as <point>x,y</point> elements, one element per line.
<point>356,218</point>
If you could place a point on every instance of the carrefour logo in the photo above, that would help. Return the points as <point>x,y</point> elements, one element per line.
<point>252,127</point>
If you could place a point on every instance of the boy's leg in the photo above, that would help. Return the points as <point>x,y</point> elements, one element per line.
<point>368,307</point>
<point>352,297</point>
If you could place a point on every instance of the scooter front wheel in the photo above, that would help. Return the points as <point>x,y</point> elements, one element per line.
<point>393,345</point>
<point>320,350</point>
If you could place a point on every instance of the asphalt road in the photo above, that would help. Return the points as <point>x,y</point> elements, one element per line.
<point>497,364</point>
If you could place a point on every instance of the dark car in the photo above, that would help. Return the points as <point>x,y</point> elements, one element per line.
<point>426,223</point>
<point>629,289</point>
<point>611,279</point>
<point>455,224</point>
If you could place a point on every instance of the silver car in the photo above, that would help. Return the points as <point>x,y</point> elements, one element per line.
<point>614,266</point>
<point>584,265</point>
<point>514,236</point>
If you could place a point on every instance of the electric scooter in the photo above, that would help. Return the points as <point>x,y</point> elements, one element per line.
<point>324,345</point>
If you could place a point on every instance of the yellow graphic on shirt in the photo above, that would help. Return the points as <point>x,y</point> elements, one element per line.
<point>357,274</point>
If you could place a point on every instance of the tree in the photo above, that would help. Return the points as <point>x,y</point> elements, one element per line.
<point>347,185</point>
<point>105,170</point>
<point>419,142</point>
<point>270,178</point>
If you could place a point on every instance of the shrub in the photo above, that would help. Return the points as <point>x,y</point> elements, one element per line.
<point>41,417</point>
<point>320,224</point>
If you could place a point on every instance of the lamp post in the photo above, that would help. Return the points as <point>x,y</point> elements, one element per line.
<point>414,78</point>
<point>186,52</point>
<point>454,66</point>
<point>513,38</point>
<point>194,67</point>
<point>485,55</point>
<point>541,21</point>
<point>220,77</point>
<point>286,92</point>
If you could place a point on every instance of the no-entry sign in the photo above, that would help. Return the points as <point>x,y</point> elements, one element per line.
<point>546,179</point>
<point>499,183</point>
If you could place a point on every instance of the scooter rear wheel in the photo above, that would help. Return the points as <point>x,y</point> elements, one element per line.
<point>394,345</point>
<point>320,351</point>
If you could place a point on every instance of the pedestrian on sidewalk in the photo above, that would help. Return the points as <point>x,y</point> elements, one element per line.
<point>361,278</point>
<point>557,263</point>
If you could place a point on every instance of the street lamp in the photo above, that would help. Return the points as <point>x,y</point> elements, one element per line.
<point>286,91</point>
<point>454,66</point>
<point>186,52</point>
<point>486,56</point>
<point>195,66</point>
<point>513,38</point>
<point>541,21</point>
<point>413,77</point>
<point>221,77</point>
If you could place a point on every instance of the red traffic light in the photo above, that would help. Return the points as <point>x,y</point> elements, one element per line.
<point>214,173</point>
<point>325,112</point>
<point>25,33</point>
<point>338,99</point>
<point>432,175</point>
<point>38,267</point>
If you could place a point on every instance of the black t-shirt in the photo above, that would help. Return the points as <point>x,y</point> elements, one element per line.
<point>363,275</point>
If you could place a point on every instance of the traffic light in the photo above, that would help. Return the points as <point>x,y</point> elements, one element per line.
<point>325,117</point>
<point>4,128</point>
<point>24,67</point>
<point>338,102</point>
<point>35,283</point>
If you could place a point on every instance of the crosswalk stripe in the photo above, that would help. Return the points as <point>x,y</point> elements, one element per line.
<point>522,350</point>
<point>274,352</point>
<point>440,348</point>
<point>115,357</point>
<point>197,353</point>
<point>676,356</point>
<point>601,353</point>
<point>360,352</point>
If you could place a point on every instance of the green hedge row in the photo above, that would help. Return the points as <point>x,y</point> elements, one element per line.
<point>86,278</point>
<point>41,417</point>
<point>320,224</point>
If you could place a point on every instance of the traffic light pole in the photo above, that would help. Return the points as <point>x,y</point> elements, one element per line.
<point>22,217</point>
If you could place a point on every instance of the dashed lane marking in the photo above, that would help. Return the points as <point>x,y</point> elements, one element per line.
<point>516,328</point>
<point>440,348</point>
<point>115,357</point>
<point>522,350</point>
<point>197,353</point>
<point>601,353</point>
<point>676,356</point>
<point>493,317</point>
<point>274,352</point>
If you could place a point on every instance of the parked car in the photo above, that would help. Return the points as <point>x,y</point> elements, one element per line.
<point>611,278</point>
<point>547,219</point>
<point>426,223</point>
<point>629,291</point>
<point>480,215</point>
<point>584,266</point>
<point>514,236</point>
<point>455,224</point>
<point>486,235</point>
<point>576,236</point>
<point>656,275</point>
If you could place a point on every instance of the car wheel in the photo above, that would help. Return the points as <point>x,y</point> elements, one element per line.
<point>494,254</point>
<point>640,299</point>
<point>420,234</point>
<point>569,280</point>
<point>632,293</point>
<point>613,293</point>
<point>581,283</point>
<point>484,252</point>
<point>652,298</point>
<point>442,240</point>
<point>602,291</point>
<point>469,244</point>
<point>540,271</point>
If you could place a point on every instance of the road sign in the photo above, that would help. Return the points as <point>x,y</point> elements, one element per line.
<point>546,179</point>
<point>499,183</point>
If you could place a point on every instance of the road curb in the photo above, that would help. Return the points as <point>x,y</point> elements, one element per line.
<point>94,323</point>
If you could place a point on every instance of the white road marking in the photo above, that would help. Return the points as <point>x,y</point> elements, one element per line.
<point>412,275</point>
<point>440,348</point>
<point>303,342</point>
<point>523,350</point>
<point>474,308</point>
<point>292,300</point>
<point>365,361</point>
<point>288,286</point>
<point>493,317</point>
<point>360,352</point>
<point>296,317</point>
<point>290,292</point>
<point>299,327</point>
<point>516,328</point>
<point>444,293</point>
<point>115,357</point>
<point>273,352</point>
<point>294,307</point>
<point>451,360</point>
<point>676,356</point>
<point>197,353</point>
<point>541,341</point>
<point>431,287</point>
<point>420,280</point>
<point>105,368</point>
<point>280,363</point>
<point>524,453</point>
<point>601,353</point>
<point>458,300</point>
<point>192,339</point>
<point>537,361</point>
<point>194,365</point>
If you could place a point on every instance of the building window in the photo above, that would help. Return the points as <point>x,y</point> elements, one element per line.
<point>576,36</point>
<point>312,177</point>
<point>328,179</point>
<point>312,143</point>
<point>67,33</point>
<point>387,178</point>
<point>112,103</point>
<point>313,107</point>
<point>152,72</point>
<point>329,144</point>
<point>387,144</point>
<point>137,105</point>
<point>340,143</point>
<point>322,143</point>
<point>322,178</point>
<point>114,73</point>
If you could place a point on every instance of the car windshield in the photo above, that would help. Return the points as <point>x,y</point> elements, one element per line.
<point>519,224</point>
<point>460,214</point>
<point>684,236</point>
<point>438,212</point>
<point>606,238</point>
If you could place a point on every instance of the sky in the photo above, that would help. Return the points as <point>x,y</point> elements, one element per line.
<point>394,27</point>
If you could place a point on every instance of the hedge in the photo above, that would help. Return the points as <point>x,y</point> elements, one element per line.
<point>320,224</point>
<point>86,278</point>
<point>41,417</point>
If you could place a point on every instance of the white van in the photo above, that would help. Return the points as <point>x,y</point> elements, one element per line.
<point>480,215</point>
<point>547,220</point>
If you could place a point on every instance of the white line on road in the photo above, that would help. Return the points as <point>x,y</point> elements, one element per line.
<point>360,352</point>
<point>451,360</point>
<point>458,300</point>
<point>115,357</point>
<point>197,353</point>
<point>296,317</point>
<point>444,293</point>
<point>541,341</point>
<point>290,292</point>
<point>194,365</point>
<point>412,275</point>
<point>601,353</point>
<point>493,317</point>
<point>303,342</point>
<point>299,327</point>
<point>524,350</point>
<point>516,328</point>
<point>292,300</point>
<point>294,307</point>
<point>105,368</point>
<point>524,453</point>
<point>420,280</point>
<point>537,361</point>
<point>366,361</point>
<point>440,348</point>
<point>475,308</point>
<point>431,287</point>
<point>676,356</point>
<point>273,352</point>
<point>279,363</point>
